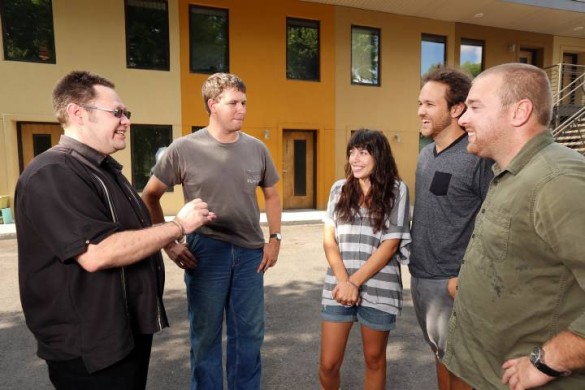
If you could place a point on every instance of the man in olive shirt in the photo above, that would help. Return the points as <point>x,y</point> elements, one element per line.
<point>519,314</point>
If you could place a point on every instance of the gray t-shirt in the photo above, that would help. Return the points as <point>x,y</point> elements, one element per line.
<point>450,188</point>
<point>225,175</point>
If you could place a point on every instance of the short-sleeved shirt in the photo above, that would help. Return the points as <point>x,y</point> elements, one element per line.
<point>523,277</point>
<point>67,198</point>
<point>357,241</point>
<point>450,187</point>
<point>225,175</point>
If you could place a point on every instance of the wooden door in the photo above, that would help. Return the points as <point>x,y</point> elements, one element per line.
<point>527,56</point>
<point>35,138</point>
<point>299,169</point>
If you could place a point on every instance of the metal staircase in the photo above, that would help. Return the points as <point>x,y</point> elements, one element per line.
<point>568,88</point>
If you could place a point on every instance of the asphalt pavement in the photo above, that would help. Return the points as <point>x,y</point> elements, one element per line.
<point>291,347</point>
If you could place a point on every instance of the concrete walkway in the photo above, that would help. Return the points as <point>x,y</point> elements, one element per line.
<point>292,343</point>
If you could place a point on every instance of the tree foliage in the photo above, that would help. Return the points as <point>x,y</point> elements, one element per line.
<point>365,57</point>
<point>302,56</point>
<point>28,30</point>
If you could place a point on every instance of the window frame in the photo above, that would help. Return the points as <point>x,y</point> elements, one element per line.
<point>378,32</point>
<point>50,42</point>
<point>436,38</point>
<point>166,52</point>
<point>311,23</point>
<point>227,34</point>
<point>473,42</point>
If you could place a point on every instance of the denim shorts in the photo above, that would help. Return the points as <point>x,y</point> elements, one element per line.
<point>372,318</point>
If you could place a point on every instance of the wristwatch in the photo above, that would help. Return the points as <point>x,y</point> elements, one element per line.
<point>278,236</point>
<point>537,360</point>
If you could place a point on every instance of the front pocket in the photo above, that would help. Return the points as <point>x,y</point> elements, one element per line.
<point>251,180</point>
<point>440,183</point>
<point>495,234</point>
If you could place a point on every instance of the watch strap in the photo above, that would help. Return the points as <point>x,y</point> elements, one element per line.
<point>537,358</point>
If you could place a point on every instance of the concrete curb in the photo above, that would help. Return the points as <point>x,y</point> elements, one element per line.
<point>8,231</point>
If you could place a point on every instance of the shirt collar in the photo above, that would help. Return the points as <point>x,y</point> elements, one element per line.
<point>528,151</point>
<point>89,153</point>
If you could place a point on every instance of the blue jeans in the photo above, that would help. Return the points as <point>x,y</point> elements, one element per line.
<point>225,280</point>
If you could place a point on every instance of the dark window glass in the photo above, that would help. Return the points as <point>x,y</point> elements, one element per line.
<point>148,143</point>
<point>433,52</point>
<point>27,30</point>
<point>471,56</point>
<point>365,55</point>
<point>208,40</point>
<point>41,143</point>
<point>300,154</point>
<point>302,49</point>
<point>147,34</point>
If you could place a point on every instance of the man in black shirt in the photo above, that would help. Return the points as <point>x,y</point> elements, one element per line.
<point>90,270</point>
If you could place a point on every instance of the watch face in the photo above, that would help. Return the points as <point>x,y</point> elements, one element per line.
<point>535,355</point>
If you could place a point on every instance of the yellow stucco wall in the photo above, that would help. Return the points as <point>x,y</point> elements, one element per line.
<point>91,35</point>
<point>257,50</point>
<point>88,36</point>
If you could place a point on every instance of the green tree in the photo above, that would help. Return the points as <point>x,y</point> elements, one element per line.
<point>302,57</point>
<point>474,68</point>
<point>28,30</point>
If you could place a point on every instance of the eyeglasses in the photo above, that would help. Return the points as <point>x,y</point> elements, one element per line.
<point>117,112</point>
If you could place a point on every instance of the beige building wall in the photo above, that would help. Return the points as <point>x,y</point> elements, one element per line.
<point>564,45</point>
<point>89,35</point>
<point>392,107</point>
<point>502,45</point>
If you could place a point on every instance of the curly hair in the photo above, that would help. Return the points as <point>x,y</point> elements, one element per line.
<point>381,198</point>
<point>456,80</point>
<point>214,86</point>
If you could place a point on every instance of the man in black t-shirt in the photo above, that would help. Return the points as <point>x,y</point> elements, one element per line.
<point>90,270</point>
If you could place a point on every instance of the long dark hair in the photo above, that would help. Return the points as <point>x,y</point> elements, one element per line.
<point>381,198</point>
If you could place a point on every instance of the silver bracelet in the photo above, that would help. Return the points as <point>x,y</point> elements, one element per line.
<point>181,238</point>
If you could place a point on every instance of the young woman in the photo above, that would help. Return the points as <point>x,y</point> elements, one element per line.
<point>365,239</point>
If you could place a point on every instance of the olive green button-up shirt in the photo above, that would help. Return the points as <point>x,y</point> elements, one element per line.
<point>523,276</point>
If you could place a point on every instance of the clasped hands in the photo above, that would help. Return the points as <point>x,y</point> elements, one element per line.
<point>346,293</point>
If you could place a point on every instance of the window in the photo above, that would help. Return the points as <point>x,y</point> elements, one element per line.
<point>365,55</point>
<point>27,30</point>
<point>147,34</point>
<point>208,40</point>
<point>41,143</point>
<point>471,56</point>
<point>433,51</point>
<point>302,49</point>
<point>148,143</point>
